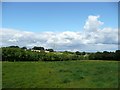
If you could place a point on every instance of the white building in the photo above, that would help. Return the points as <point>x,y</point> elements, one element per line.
<point>39,51</point>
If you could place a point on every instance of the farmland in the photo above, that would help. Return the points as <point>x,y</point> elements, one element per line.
<point>60,74</point>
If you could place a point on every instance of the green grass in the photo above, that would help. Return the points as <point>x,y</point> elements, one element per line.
<point>65,74</point>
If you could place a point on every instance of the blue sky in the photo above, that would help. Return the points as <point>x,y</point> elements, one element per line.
<point>66,16</point>
<point>77,26</point>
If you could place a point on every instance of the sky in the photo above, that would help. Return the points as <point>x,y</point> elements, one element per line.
<point>39,17</point>
<point>73,26</point>
<point>60,1</point>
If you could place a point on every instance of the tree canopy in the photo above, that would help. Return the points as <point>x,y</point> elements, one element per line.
<point>14,53</point>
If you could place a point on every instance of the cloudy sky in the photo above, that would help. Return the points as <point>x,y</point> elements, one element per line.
<point>61,26</point>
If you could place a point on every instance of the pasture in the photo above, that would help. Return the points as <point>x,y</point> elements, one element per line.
<point>60,74</point>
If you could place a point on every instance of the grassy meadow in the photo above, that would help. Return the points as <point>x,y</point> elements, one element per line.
<point>60,74</point>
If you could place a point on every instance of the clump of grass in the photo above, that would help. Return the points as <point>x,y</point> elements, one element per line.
<point>64,70</point>
<point>66,80</point>
<point>78,76</point>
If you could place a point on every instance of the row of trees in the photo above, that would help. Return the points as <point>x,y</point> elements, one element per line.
<point>34,48</point>
<point>105,55</point>
<point>14,53</point>
<point>17,54</point>
<point>20,54</point>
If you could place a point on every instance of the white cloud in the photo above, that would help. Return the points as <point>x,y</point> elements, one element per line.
<point>92,38</point>
<point>92,23</point>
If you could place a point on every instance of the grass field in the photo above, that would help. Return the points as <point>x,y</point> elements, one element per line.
<point>61,74</point>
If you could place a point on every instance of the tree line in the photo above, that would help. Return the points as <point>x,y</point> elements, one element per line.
<point>15,53</point>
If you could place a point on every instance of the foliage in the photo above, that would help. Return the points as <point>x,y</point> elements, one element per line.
<point>13,46</point>
<point>24,48</point>
<point>38,48</point>
<point>78,53</point>
<point>117,54</point>
<point>18,54</point>
<point>14,53</point>
<point>50,50</point>
<point>105,55</point>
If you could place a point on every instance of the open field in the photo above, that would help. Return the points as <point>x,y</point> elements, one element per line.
<point>60,74</point>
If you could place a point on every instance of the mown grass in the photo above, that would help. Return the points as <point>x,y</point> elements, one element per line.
<point>61,74</point>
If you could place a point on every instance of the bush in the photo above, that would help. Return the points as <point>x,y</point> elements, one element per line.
<point>14,53</point>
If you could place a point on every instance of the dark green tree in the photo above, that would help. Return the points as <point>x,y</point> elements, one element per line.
<point>117,54</point>
<point>38,48</point>
<point>24,48</point>
<point>78,53</point>
<point>50,50</point>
